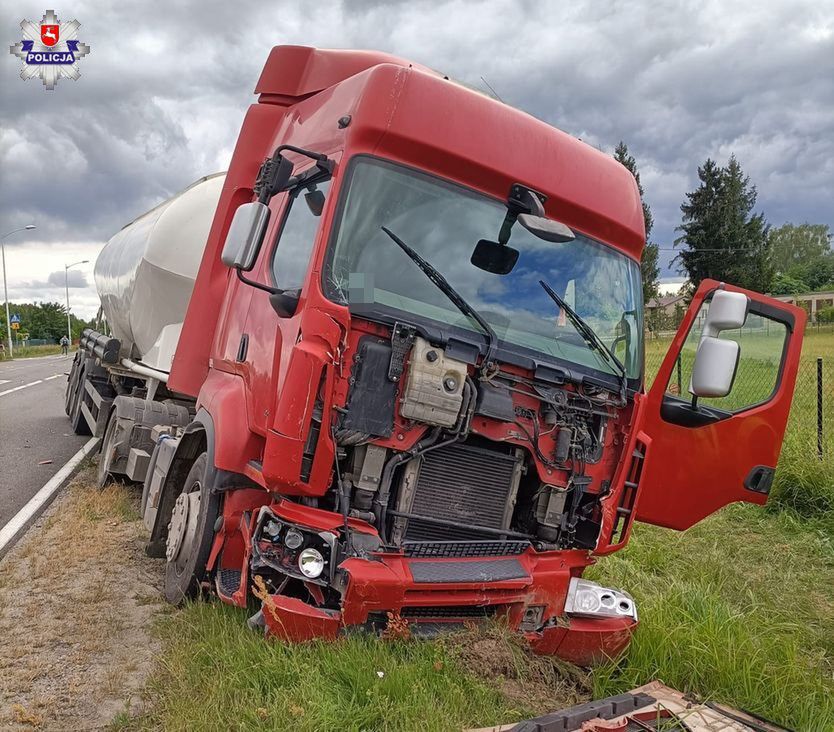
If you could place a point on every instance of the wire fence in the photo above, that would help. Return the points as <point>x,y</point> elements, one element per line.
<point>810,429</point>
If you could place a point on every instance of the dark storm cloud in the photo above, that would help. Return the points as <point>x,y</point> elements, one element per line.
<point>166,85</point>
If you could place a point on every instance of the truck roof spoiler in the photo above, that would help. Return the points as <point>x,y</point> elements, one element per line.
<point>294,72</point>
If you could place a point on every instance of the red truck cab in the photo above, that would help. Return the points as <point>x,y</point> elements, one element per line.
<point>416,348</point>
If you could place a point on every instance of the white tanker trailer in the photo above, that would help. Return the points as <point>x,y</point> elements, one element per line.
<point>146,272</point>
<point>144,276</point>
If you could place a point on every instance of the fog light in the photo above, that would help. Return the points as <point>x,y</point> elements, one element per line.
<point>593,600</point>
<point>311,563</point>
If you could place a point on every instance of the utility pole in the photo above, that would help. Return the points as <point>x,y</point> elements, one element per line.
<point>66,288</point>
<point>28,227</point>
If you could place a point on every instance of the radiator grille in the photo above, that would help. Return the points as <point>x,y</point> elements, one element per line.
<point>428,549</point>
<point>448,611</point>
<point>463,483</point>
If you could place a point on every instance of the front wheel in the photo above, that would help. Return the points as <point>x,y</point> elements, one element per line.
<point>190,535</point>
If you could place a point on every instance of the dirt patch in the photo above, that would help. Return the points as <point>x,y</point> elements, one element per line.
<point>77,598</point>
<point>503,659</point>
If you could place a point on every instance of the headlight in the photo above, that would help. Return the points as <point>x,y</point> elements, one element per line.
<point>593,600</point>
<point>293,539</point>
<point>311,563</point>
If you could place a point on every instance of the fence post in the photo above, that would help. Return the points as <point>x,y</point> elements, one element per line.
<point>819,407</point>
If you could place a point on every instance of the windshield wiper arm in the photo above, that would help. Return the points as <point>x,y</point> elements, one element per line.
<point>457,299</point>
<point>589,335</point>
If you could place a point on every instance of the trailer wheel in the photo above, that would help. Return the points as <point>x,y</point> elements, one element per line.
<point>77,421</point>
<point>72,383</point>
<point>190,535</point>
<point>108,450</point>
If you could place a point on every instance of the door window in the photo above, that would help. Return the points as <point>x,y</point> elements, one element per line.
<point>295,242</point>
<point>762,342</point>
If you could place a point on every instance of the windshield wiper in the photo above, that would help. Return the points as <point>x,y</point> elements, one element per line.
<point>457,299</point>
<point>589,336</point>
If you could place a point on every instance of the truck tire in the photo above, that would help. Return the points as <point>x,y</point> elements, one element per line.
<point>72,382</point>
<point>190,535</point>
<point>106,454</point>
<point>77,421</point>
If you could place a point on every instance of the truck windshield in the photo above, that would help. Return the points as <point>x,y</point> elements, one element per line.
<point>442,222</point>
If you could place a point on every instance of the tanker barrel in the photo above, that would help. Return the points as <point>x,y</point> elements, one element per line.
<point>146,272</point>
<point>102,346</point>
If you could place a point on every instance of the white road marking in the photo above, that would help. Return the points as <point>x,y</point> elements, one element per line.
<point>4,381</point>
<point>37,503</point>
<point>22,386</point>
<point>31,383</point>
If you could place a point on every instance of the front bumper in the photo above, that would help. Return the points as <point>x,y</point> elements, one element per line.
<point>528,591</point>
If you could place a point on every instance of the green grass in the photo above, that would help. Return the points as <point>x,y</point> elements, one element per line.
<point>32,351</point>
<point>218,674</point>
<point>737,609</point>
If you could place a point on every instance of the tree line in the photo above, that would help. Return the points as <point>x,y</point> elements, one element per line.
<point>46,320</point>
<point>722,237</point>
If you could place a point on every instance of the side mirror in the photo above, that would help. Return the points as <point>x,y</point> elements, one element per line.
<point>493,257</point>
<point>716,360</point>
<point>546,229</point>
<point>727,311</point>
<point>715,367</point>
<point>243,241</point>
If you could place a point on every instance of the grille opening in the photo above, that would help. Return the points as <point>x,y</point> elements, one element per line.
<point>464,549</point>
<point>435,612</point>
<point>473,483</point>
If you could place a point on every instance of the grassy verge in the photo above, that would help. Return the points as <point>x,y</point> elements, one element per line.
<point>32,352</point>
<point>217,674</point>
<point>738,609</point>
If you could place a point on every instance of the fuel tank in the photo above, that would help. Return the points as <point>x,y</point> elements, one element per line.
<point>146,272</point>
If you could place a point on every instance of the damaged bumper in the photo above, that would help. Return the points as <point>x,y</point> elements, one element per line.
<point>529,591</point>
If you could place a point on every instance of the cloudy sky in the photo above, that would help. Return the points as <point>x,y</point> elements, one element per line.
<point>164,89</point>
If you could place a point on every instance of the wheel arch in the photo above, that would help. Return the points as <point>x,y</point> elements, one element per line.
<point>198,436</point>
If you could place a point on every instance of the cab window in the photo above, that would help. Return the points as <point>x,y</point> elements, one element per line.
<point>762,342</point>
<point>295,242</point>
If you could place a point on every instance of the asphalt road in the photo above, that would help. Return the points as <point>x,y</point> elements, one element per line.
<point>33,428</point>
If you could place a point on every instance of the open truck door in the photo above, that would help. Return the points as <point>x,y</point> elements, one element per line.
<point>720,444</point>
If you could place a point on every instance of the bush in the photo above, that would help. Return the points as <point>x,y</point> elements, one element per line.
<point>826,314</point>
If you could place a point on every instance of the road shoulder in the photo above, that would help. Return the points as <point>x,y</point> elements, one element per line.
<point>78,598</point>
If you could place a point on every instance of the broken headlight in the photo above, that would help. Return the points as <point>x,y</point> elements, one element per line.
<point>588,599</point>
<point>293,550</point>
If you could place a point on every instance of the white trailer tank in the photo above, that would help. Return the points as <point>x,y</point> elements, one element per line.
<point>145,274</point>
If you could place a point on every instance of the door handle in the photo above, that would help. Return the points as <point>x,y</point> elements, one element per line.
<point>243,348</point>
<point>760,479</point>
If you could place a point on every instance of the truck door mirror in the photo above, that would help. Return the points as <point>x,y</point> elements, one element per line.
<point>716,359</point>
<point>243,240</point>
<point>715,367</point>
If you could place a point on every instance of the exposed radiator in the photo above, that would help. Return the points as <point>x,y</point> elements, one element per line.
<point>461,482</point>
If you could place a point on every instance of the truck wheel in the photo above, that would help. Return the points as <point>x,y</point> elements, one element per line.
<point>77,421</point>
<point>108,450</point>
<point>190,535</point>
<point>72,383</point>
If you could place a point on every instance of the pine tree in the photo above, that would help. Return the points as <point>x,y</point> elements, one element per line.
<point>648,264</point>
<point>723,239</point>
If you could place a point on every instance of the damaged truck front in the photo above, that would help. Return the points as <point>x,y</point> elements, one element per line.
<point>409,383</point>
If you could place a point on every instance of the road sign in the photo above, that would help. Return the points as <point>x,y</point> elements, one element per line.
<point>15,319</point>
<point>15,325</point>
